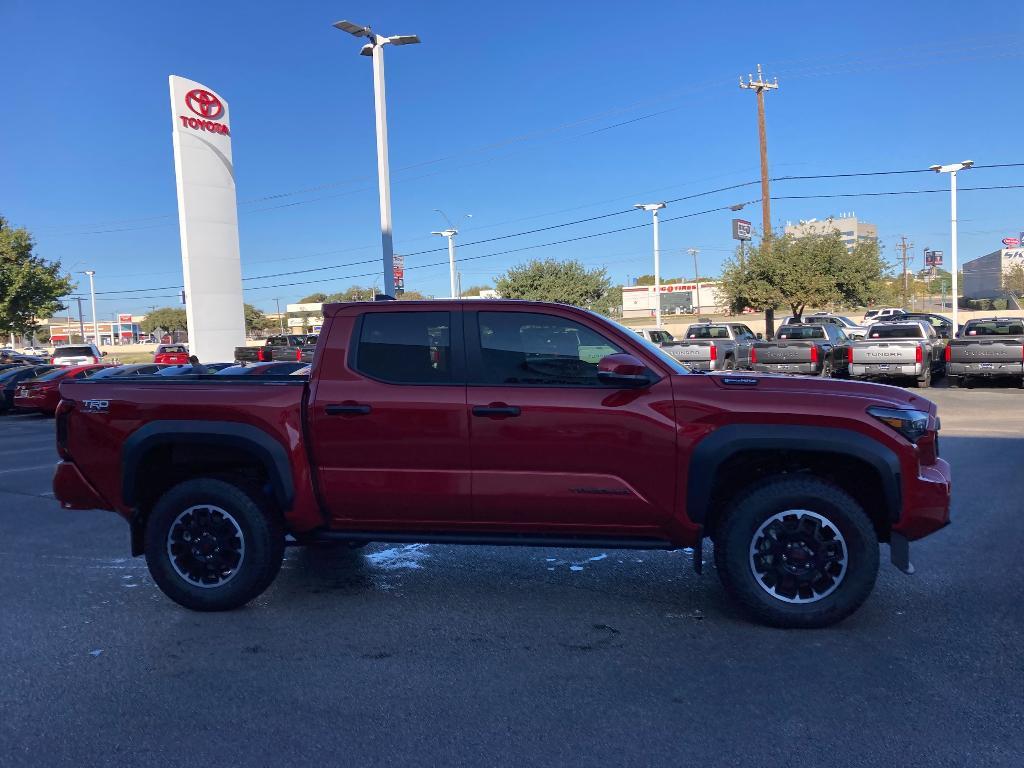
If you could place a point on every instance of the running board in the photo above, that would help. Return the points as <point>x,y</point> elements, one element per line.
<point>492,539</point>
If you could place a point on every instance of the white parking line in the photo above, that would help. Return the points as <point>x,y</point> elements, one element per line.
<point>29,450</point>
<point>28,469</point>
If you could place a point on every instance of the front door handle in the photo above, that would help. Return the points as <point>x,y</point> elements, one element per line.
<point>496,410</point>
<point>347,409</point>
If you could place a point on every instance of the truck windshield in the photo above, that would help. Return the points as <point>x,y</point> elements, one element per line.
<point>74,352</point>
<point>285,341</point>
<point>896,332</point>
<point>707,332</point>
<point>995,328</point>
<point>801,332</point>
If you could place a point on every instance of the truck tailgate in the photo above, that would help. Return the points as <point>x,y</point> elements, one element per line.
<point>884,352</point>
<point>775,352</point>
<point>986,350</point>
<point>690,351</point>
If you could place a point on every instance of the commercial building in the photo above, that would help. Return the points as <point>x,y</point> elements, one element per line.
<point>983,276</point>
<point>676,299</point>
<point>850,228</point>
<point>124,330</point>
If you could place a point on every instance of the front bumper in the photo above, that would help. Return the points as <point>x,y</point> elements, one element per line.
<point>926,501</point>
<point>810,369</point>
<point>985,369</point>
<point>884,370</point>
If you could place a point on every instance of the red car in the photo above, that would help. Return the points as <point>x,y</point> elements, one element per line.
<point>171,354</point>
<point>509,423</point>
<point>43,393</point>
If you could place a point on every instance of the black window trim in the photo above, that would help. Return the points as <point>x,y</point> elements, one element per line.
<point>474,354</point>
<point>455,336</point>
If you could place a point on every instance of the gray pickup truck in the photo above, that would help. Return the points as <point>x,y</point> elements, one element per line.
<point>901,349</point>
<point>276,349</point>
<point>986,347</point>
<point>714,346</point>
<point>662,339</point>
<point>815,349</point>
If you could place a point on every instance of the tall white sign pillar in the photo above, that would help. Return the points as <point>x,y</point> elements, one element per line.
<point>208,220</point>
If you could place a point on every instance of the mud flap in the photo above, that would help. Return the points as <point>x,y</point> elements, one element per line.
<point>899,552</point>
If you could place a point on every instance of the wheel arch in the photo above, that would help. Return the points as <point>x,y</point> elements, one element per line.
<point>754,450</point>
<point>178,448</point>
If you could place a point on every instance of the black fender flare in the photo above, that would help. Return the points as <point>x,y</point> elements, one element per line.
<point>727,441</point>
<point>224,434</point>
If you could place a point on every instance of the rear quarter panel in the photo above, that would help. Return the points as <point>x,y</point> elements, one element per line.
<point>97,436</point>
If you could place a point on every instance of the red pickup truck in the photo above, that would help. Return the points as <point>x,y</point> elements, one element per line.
<point>508,423</point>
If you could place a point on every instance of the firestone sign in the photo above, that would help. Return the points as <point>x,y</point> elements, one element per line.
<point>209,108</point>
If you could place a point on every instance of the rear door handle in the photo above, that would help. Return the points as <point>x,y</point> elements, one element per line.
<point>496,410</point>
<point>349,409</point>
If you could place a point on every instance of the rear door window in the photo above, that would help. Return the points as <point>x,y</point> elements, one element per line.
<point>801,332</point>
<point>74,352</point>
<point>996,328</point>
<point>406,347</point>
<point>533,349</point>
<point>896,332</point>
<point>707,332</point>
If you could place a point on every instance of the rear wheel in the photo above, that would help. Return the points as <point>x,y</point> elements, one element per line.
<point>797,551</point>
<point>729,364</point>
<point>211,547</point>
<point>925,380</point>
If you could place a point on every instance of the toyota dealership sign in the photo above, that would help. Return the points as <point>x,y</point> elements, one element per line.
<point>209,112</point>
<point>208,219</point>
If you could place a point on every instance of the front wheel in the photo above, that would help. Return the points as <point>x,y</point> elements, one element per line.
<point>797,552</point>
<point>211,547</point>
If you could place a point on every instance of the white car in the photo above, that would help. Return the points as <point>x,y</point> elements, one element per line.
<point>885,313</point>
<point>33,351</point>
<point>77,354</point>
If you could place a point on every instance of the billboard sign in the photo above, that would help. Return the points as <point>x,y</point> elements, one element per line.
<point>207,219</point>
<point>125,319</point>
<point>1012,242</point>
<point>933,258</point>
<point>741,229</point>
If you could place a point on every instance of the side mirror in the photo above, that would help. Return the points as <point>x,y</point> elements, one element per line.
<point>622,370</point>
<point>760,336</point>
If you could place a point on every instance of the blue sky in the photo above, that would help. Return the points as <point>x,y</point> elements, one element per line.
<point>524,115</point>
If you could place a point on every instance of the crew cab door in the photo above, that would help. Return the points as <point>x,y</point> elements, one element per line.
<point>745,339</point>
<point>553,447</point>
<point>388,420</point>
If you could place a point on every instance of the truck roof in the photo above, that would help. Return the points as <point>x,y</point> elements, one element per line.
<point>330,310</point>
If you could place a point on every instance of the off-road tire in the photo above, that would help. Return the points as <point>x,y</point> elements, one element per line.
<point>262,536</point>
<point>738,530</point>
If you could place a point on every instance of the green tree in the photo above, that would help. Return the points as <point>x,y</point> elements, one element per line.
<point>313,298</point>
<point>256,319</point>
<point>30,286</point>
<point>802,272</point>
<point>475,290</point>
<point>166,319</point>
<point>565,282</point>
<point>1013,280</point>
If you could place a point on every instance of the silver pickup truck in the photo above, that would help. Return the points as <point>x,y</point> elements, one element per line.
<point>987,347</point>
<point>904,349</point>
<point>714,346</point>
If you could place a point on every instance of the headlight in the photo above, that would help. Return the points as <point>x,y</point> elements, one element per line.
<point>909,423</point>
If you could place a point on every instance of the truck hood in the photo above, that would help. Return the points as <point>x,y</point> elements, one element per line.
<point>870,393</point>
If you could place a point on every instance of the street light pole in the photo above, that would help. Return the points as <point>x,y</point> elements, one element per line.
<point>92,293</point>
<point>654,208</point>
<point>375,49</point>
<point>696,275</point>
<point>280,317</point>
<point>450,234</point>
<point>952,170</point>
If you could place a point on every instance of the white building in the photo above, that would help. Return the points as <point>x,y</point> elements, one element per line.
<point>850,228</point>
<point>676,298</point>
<point>983,276</point>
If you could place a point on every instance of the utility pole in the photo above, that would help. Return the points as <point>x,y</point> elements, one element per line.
<point>696,275</point>
<point>81,323</point>
<point>280,317</point>
<point>759,86</point>
<point>654,208</point>
<point>905,246</point>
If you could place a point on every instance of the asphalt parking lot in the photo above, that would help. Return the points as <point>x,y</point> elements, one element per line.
<point>495,656</point>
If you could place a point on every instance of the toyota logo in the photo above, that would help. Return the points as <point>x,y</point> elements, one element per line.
<point>204,104</point>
